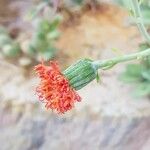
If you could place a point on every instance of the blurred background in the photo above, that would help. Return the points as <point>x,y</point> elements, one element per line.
<point>114,114</point>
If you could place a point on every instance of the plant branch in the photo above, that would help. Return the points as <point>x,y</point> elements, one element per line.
<point>111,62</point>
<point>106,64</point>
<point>140,24</point>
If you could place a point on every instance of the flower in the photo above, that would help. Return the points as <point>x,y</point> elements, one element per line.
<point>54,88</point>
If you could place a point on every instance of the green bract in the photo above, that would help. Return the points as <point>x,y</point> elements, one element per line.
<point>81,73</point>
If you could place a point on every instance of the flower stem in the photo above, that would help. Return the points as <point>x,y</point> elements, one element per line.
<point>106,64</point>
<point>111,62</point>
<point>140,24</point>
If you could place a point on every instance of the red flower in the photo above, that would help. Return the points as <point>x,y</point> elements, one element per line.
<point>54,89</point>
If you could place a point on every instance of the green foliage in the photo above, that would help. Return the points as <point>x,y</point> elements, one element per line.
<point>45,32</point>
<point>42,42</point>
<point>42,39</point>
<point>8,46</point>
<point>139,75</point>
<point>79,2</point>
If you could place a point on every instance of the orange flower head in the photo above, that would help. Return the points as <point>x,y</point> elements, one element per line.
<point>54,88</point>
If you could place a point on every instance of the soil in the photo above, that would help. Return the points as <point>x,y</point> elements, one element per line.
<point>96,32</point>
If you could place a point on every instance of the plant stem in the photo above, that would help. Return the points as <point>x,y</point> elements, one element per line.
<point>140,24</point>
<point>111,62</point>
<point>106,64</point>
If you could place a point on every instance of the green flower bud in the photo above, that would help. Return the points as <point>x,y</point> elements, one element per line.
<point>81,73</point>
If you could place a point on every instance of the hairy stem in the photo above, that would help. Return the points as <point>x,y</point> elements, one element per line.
<point>138,16</point>
<point>106,64</point>
<point>111,62</point>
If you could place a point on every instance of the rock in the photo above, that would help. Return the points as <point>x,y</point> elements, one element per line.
<point>38,130</point>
